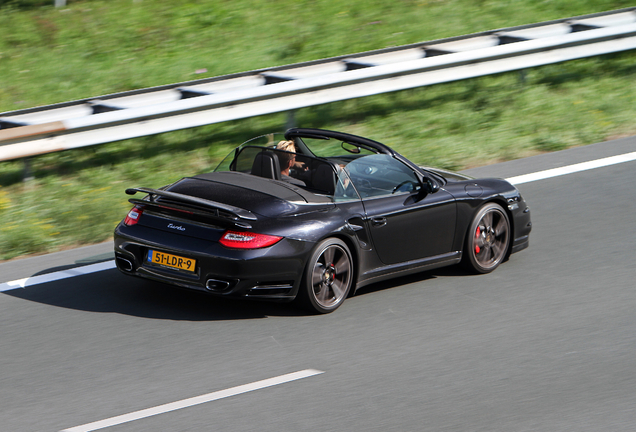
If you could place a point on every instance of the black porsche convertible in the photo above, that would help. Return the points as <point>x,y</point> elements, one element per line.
<point>313,215</point>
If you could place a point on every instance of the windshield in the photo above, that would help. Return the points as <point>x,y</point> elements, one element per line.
<point>339,151</point>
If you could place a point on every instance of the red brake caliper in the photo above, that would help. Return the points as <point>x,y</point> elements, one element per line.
<point>477,248</point>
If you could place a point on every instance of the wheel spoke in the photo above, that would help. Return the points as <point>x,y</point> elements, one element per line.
<point>337,288</point>
<point>342,266</point>
<point>487,220</point>
<point>485,254</point>
<point>324,295</point>
<point>501,227</point>
<point>496,251</point>
<point>316,277</point>
<point>328,255</point>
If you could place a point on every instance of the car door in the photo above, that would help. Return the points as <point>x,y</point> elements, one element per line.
<point>405,222</point>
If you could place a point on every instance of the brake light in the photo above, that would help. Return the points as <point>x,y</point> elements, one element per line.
<point>133,216</point>
<point>175,209</point>
<point>247,240</point>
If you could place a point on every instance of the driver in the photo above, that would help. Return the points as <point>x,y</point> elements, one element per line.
<point>287,159</point>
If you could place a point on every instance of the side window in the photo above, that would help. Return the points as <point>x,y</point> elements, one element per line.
<point>344,187</point>
<point>379,175</point>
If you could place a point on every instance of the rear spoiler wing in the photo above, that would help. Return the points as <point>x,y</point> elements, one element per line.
<point>235,212</point>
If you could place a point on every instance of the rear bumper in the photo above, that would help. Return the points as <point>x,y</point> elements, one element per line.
<point>269,273</point>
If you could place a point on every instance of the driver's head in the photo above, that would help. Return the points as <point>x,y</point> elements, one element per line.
<point>286,159</point>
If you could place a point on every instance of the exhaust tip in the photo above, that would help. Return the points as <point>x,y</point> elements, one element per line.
<point>124,264</point>
<point>217,285</point>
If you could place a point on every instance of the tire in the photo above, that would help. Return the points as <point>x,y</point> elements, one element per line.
<point>328,277</point>
<point>487,240</point>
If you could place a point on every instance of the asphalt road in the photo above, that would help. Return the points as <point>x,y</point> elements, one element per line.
<point>545,343</point>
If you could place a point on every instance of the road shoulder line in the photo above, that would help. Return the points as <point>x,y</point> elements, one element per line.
<point>570,169</point>
<point>55,276</point>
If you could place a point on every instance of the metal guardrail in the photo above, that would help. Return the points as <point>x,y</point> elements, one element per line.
<point>161,109</point>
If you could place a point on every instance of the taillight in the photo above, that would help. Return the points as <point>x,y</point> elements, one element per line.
<point>247,240</point>
<point>133,216</point>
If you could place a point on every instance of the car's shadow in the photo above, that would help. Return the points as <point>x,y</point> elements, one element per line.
<point>111,292</point>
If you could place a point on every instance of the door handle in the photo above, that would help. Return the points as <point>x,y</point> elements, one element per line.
<point>378,222</point>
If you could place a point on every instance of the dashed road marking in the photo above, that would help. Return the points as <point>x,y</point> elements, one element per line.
<point>185,403</point>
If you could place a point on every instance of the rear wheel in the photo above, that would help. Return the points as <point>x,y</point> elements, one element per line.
<point>328,277</point>
<point>487,239</point>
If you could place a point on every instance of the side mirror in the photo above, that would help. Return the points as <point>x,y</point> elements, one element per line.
<point>428,185</point>
<point>433,186</point>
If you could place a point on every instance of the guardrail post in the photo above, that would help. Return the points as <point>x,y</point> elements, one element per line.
<point>27,172</point>
<point>60,3</point>
<point>522,76</point>
<point>291,119</point>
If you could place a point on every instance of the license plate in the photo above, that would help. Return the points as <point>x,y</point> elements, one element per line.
<point>170,260</point>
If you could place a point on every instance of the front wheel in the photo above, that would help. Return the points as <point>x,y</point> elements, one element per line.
<point>487,239</point>
<point>328,277</point>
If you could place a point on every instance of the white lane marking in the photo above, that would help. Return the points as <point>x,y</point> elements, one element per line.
<point>526,178</point>
<point>583,166</point>
<point>185,403</point>
<point>63,274</point>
